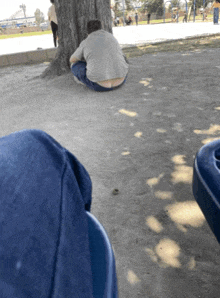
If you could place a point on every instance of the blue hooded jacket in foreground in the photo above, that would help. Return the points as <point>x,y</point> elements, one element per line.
<point>44,244</point>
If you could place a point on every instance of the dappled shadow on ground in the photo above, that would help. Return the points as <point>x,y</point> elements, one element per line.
<point>183,247</point>
<point>183,215</point>
<point>140,139</point>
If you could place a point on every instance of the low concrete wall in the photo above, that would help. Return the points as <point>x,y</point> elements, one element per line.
<point>32,57</point>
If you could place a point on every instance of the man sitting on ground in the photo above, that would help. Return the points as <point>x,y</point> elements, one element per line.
<point>99,62</point>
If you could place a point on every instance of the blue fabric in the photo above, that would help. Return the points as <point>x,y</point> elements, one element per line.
<point>79,71</point>
<point>215,15</point>
<point>44,244</point>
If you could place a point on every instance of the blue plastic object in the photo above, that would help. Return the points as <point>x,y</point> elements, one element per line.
<point>206,184</point>
<point>102,259</point>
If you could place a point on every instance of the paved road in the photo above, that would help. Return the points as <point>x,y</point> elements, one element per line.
<point>126,36</point>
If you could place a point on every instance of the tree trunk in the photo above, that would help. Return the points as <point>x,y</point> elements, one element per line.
<point>72,16</point>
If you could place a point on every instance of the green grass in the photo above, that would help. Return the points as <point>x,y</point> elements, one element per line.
<point>5,36</point>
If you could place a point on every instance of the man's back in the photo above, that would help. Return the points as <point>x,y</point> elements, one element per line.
<point>104,57</point>
<point>104,67</point>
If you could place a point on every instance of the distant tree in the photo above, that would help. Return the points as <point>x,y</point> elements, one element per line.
<point>198,3</point>
<point>128,5</point>
<point>117,8</point>
<point>39,16</point>
<point>176,3</point>
<point>144,6</point>
<point>136,3</point>
<point>153,6</point>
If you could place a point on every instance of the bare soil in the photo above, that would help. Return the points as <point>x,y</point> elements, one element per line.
<point>140,139</point>
<point>189,44</point>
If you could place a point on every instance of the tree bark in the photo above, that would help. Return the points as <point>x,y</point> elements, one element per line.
<point>72,16</point>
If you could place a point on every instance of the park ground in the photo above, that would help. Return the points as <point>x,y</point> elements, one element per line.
<point>190,44</point>
<point>141,139</point>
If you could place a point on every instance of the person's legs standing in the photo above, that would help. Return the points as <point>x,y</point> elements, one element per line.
<point>216,15</point>
<point>54,28</point>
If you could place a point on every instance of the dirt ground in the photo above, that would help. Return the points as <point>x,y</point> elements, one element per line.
<point>140,139</point>
<point>189,44</point>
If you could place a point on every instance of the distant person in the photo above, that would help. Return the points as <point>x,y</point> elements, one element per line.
<point>136,18</point>
<point>128,21</point>
<point>201,10</point>
<point>185,17</point>
<point>113,16</point>
<point>148,18</point>
<point>177,17</point>
<point>215,6</point>
<point>117,19</point>
<point>99,62</point>
<point>52,17</point>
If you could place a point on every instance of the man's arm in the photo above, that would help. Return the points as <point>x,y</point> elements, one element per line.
<point>77,55</point>
<point>73,59</point>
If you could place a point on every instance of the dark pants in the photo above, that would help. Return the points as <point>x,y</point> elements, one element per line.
<point>79,71</point>
<point>54,28</point>
<point>215,15</point>
<point>44,244</point>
